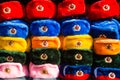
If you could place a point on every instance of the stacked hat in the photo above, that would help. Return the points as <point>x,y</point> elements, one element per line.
<point>13,34</point>
<point>45,54</point>
<point>76,43</point>
<point>106,33</point>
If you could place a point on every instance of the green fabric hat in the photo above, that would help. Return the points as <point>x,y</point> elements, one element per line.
<point>107,61</point>
<point>77,57</point>
<point>45,55</point>
<point>11,56</point>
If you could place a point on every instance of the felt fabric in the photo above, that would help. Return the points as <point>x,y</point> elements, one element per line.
<point>45,42</point>
<point>77,42</point>
<point>14,28</point>
<point>40,9</point>
<point>11,10</point>
<point>75,72</point>
<point>11,70</point>
<point>45,79</point>
<point>45,27</point>
<point>13,44</point>
<point>103,9</point>
<point>105,46</point>
<point>43,56</point>
<point>20,78</point>
<point>11,56</point>
<point>68,8</point>
<point>44,71</point>
<point>77,57</point>
<point>108,28</point>
<point>75,26</point>
<point>107,73</point>
<point>28,49</point>
<point>107,61</point>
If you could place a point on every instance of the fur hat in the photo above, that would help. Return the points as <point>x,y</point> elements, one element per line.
<point>71,8</point>
<point>75,26</point>
<point>45,27</point>
<point>40,9</point>
<point>103,9</point>
<point>11,10</point>
<point>14,28</point>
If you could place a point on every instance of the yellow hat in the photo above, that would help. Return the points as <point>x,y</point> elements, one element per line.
<point>13,44</point>
<point>105,46</point>
<point>77,42</point>
<point>45,42</point>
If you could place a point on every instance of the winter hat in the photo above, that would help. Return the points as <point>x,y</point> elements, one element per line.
<point>107,61</point>
<point>40,9</point>
<point>103,9</point>
<point>108,28</point>
<point>71,8</point>
<point>104,46</point>
<point>11,70</point>
<point>14,28</point>
<point>101,73</point>
<point>75,72</point>
<point>45,27</point>
<point>77,57</point>
<point>75,26</point>
<point>44,71</point>
<point>45,42</point>
<point>12,56</point>
<point>43,56</point>
<point>13,44</point>
<point>11,10</point>
<point>77,42</point>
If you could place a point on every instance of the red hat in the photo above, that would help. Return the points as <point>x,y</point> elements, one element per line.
<point>41,9</point>
<point>71,8</point>
<point>11,10</point>
<point>103,9</point>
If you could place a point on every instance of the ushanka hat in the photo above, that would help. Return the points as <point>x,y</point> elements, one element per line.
<point>12,56</point>
<point>13,44</point>
<point>77,57</point>
<point>103,9</point>
<point>11,10</point>
<point>40,9</point>
<point>105,46</point>
<point>14,28</point>
<point>44,71</point>
<point>75,26</point>
<point>101,73</point>
<point>108,28</point>
<point>68,8</point>
<point>45,42</point>
<point>77,42</point>
<point>43,56</point>
<point>75,72</point>
<point>45,27</point>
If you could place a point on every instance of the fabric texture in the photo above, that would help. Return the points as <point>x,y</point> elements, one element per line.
<point>68,8</point>
<point>105,46</point>
<point>12,56</point>
<point>75,26</point>
<point>45,27</point>
<point>43,56</point>
<point>77,42</point>
<point>40,9</point>
<point>14,28</point>
<point>11,10</point>
<point>13,44</point>
<point>108,28</point>
<point>44,71</point>
<point>45,42</point>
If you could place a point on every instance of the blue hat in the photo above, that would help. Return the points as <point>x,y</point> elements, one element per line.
<point>108,28</point>
<point>75,27</point>
<point>45,28</point>
<point>14,28</point>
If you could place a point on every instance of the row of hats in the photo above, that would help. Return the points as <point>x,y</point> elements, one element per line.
<point>38,9</point>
